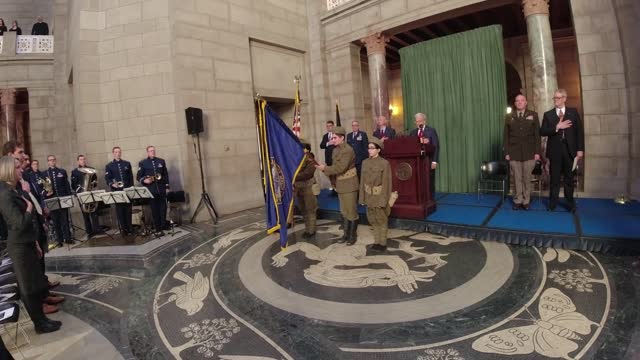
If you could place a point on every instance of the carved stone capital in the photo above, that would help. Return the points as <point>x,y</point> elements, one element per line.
<point>375,43</point>
<point>532,7</point>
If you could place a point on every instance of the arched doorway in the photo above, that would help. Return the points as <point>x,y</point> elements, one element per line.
<point>514,83</point>
<point>14,117</point>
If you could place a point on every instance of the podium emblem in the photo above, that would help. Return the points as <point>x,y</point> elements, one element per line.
<point>404,171</point>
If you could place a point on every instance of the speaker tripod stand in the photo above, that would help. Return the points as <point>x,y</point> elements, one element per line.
<point>205,199</point>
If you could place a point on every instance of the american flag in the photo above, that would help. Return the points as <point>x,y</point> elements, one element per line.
<point>296,109</point>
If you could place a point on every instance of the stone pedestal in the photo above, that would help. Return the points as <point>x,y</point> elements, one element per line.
<point>375,44</point>
<point>543,61</point>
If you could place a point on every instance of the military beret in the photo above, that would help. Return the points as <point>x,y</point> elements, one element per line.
<point>376,141</point>
<point>339,131</point>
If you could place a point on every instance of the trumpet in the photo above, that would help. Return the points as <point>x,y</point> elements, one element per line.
<point>155,177</point>
<point>47,185</point>
<point>119,184</point>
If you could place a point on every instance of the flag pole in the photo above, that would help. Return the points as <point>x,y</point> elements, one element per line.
<point>257,99</point>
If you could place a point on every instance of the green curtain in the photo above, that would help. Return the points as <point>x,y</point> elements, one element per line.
<point>459,82</point>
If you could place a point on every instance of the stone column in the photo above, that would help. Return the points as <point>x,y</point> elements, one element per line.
<point>375,44</point>
<point>7,115</point>
<point>543,61</point>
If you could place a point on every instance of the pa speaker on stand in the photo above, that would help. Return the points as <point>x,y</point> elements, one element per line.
<point>195,126</point>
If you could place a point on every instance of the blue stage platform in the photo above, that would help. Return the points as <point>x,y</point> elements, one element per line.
<point>598,225</point>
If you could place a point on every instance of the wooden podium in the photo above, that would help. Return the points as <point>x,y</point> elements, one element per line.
<point>410,166</point>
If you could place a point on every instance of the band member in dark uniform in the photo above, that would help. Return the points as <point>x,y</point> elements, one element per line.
<point>61,187</point>
<point>152,173</point>
<point>91,224</point>
<point>119,175</point>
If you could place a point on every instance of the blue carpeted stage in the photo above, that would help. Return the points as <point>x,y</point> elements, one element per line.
<point>598,225</point>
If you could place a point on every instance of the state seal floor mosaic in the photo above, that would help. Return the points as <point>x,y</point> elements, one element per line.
<point>228,292</point>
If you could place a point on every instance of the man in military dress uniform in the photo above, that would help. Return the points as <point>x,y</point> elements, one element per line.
<point>307,201</point>
<point>345,179</point>
<point>91,224</point>
<point>358,141</point>
<point>119,175</point>
<point>375,191</point>
<point>61,187</point>
<point>152,173</point>
<point>522,149</point>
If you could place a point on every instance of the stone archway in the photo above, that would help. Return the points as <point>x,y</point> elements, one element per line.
<point>514,83</point>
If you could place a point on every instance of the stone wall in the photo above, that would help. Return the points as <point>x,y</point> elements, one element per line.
<point>605,98</point>
<point>628,16</point>
<point>217,45</point>
<point>25,13</point>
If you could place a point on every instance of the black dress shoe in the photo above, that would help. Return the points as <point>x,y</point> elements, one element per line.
<point>46,327</point>
<point>379,248</point>
<point>54,322</point>
<point>525,206</point>
<point>60,245</point>
<point>516,206</point>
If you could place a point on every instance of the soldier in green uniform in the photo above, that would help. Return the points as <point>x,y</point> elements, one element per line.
<point>522,149</point>
<point>345,179</point>
<point>307,201</point>
<point>375,191</point>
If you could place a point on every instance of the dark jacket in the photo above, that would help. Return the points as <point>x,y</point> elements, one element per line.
<point>328,149</point>
<point>3,29</point>
<point>521,136</point>
<point>118,170</point>
<point>359,143</point>
<point>60,182</point>
<point>430,133</point>
<point>388,132</point>
<point>17,30</point>
<point>574,136</point>
<point>40,29</point>
<point>151,167</point>
<point>20,225</point>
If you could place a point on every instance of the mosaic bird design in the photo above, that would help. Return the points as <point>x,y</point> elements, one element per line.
<point>189,296</point>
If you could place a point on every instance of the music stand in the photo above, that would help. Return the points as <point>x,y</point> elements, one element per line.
<point>114,198</point>
<point>143,194</point>
<point>60,203</point>
<point>91,197</point>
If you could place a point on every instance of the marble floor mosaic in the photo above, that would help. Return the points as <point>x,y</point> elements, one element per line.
<point>228,292</point>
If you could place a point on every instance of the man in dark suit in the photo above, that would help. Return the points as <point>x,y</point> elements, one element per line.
<point>522,149</point>
<point>565,142</point>
<point>428,135</point>
<point>324,144</point>
<point>40,27</point>
<point>383,131</point>
<point>359,142</point>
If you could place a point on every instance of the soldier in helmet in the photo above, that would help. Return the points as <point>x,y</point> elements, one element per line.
<point>375,191</point>
<point>307,201</point>
<point>343,174</point>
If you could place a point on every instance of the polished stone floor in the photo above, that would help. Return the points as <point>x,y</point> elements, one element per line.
<point>228,292</point>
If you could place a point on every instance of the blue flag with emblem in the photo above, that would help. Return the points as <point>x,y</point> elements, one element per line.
<point>282,156</point>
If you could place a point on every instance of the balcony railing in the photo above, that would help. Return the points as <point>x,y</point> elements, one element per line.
<point>28,44</point>
<point>332,4</point>
<point>12,46</point>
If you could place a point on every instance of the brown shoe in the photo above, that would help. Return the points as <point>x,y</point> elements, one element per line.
<point>49,309</point>
<point>54,299</point>
<point>53,284</point>
<point>525,206</point>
